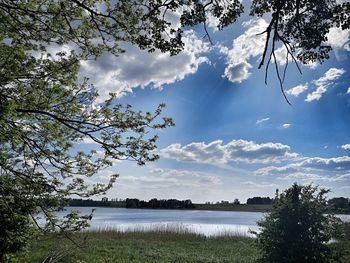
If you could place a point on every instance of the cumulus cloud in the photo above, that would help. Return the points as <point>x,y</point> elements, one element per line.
<point>338,38</point>
<point>345,146</point>
<point>217,152</point>
<point>324,82</point>
<point>248,45</point>
<point>311,177</point>
<point>262,120</point>
<point>286,125</point>
<point>297,90</point>
<point>332,164</point>
<point>238,72</point>
<point>139,68</point>
<point>348,92</point>
<point>273,170</point>
<point>311,169</point>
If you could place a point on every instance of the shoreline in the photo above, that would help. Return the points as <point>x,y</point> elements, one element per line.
<point>243,208</point>
<point>201,207</point>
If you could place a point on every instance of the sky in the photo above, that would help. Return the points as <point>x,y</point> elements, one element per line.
<point>235,137</point>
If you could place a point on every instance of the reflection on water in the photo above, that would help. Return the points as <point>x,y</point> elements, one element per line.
<point>208,223</point>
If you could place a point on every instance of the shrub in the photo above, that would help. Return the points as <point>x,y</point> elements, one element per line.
<point>297,229</point>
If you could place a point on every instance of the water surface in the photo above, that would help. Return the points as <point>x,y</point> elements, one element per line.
<point>209,223</point>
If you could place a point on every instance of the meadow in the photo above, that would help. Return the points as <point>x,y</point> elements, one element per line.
<point>161,246</point>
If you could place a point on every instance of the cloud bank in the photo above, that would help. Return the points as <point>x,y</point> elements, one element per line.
<point>139,68</point>
<point>217,152</point>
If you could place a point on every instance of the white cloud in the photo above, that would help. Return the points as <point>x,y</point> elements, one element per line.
<point>248,45</point>
<point>348,92</point>
<point>196,176</point>
<point>292,173</point>
<point>212,22</point>
<point>297,90</point>
<point>217,152</point>
<point>338,38</point>
<point>262,120</point>
<point>324,82</point>
<point>259,185</point>
<point>139,68</point>
<point>281,57</point>
<point>286,125</point>
<point>345,146</point>
<point>342,177</point>
<point>273,170</point>
<point>238,72</point>
<point>304,177</point>
<point>332,164</point>
<point>311,177</point>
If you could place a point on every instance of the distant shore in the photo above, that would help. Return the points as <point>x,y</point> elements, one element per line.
<point>233,207</point>
<point>211,207</point>
<point>255,204</point>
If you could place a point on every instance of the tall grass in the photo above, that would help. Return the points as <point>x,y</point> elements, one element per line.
<point>177,229</point>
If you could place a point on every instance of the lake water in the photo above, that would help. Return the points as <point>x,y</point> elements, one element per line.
<point>209,223</point>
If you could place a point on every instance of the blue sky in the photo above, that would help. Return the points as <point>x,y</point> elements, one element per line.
<point>235,137</point>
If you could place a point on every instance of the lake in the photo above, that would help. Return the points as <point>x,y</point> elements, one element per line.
<point>208,223</point>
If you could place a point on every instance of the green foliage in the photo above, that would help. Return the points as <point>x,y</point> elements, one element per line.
<point>15,225</point>
<point>297,229</point>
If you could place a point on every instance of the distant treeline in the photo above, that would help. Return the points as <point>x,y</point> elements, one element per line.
<point>135,203</point>
<point>260,201</point>
<point>159,204</point>
<point>335,205</point>
<point>100,203</point>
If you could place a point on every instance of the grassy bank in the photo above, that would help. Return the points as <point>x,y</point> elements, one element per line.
<point>149,247</point>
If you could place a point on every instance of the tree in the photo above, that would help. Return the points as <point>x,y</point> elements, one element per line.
<point>297,228</point>
<point>45,109</point>
<point>339,205</point>
<point>259,201</point>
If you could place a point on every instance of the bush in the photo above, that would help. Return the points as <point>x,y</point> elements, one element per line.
<point>297,229</point>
